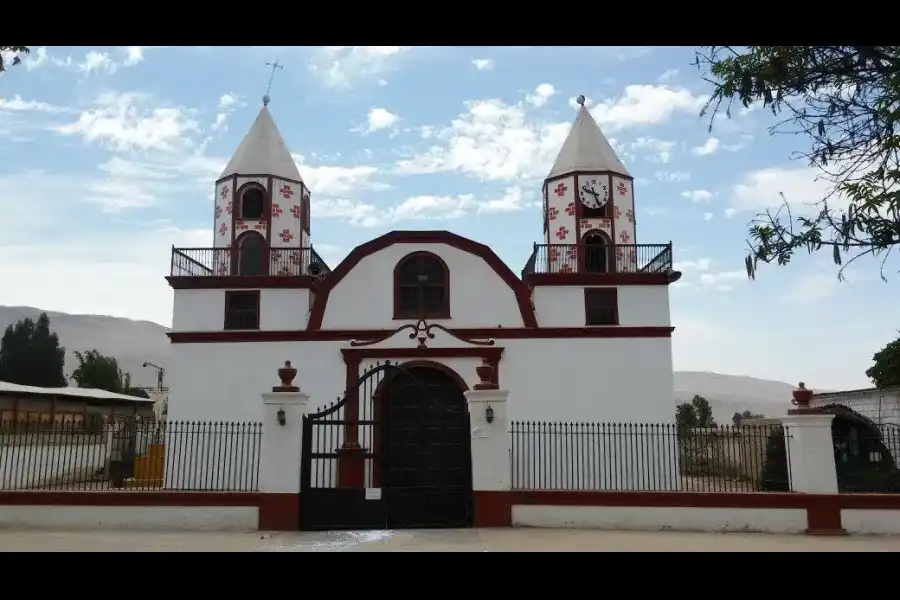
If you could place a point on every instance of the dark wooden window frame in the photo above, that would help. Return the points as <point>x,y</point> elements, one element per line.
<point>584,248</point>
<point>229,299</point>
<point>266,205</point>
<point>596,306</point>
<point>443,312</point>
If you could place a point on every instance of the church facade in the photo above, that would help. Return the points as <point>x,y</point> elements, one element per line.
<point>582,333</point>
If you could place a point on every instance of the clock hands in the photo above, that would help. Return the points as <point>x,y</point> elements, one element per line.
<point>591,191</point>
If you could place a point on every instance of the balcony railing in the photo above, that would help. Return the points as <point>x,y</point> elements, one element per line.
<point>598,258</point>
<point>224,262</point>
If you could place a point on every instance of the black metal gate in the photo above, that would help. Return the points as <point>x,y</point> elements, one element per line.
<point>393,453</point>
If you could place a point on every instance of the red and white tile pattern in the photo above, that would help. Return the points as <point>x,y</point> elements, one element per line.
<point>623,215</point>
<point>224,203</point>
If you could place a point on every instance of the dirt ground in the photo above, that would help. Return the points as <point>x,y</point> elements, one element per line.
<point>466,540</point>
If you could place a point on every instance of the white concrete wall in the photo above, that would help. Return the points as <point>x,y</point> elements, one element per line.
<point>882,406</point>
<point>599,379</point>
<point>204,310</point>
<point>48,460</point>
<point>153,518</point>
<point>364,299</point>
<point>639,306</point>
<point>762,520</point>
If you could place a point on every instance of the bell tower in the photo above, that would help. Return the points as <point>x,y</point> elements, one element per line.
<point>261,207</point>
<point>588,199</point>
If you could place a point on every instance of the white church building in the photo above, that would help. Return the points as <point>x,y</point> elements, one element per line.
<point>581,333</point>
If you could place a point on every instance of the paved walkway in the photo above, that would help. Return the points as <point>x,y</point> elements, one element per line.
<point>463,540</point>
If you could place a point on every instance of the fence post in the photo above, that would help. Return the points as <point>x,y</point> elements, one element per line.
<point>490,451</point>
<point>810,447</point>
<point>279,463</point>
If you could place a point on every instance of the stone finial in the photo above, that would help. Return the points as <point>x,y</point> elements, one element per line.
<point>286,374</point>
<point>486,376</point>
<point>802,396</point>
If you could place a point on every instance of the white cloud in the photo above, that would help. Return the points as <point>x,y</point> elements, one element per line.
<point>668,75</point>
<point>707,216</point>
<point>699,272</point>
<point>122,122</point>
<point>228,103</point>
<point>657,150</point>
<point>541,95</point>
<point>645,105</point>
<point>801,186</point>
<point>36,59</point>
<point>697,195</point>
<point>672,176</point>
<point>134,55</point>
<point>730,212</point>
<point>342,66</point>
<point>97,62</point>
<point>483,64</point>
<point>380,118</point>
<point>17,104</point>
<point>709,147</point>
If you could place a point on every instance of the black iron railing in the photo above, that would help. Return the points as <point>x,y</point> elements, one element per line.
<point>131,454</point>
<point>867,458</point>
<point>646,457</point>
<point>209,262</point>
<point>598,258</point>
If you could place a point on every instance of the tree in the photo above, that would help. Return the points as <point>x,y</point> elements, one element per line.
<point>843,100</point>
<point>695,414</point>
<point>101,372</point>
<point>30,354</point>
<point>737,417</point>
<point>15,51</point>
<point>886,370</point>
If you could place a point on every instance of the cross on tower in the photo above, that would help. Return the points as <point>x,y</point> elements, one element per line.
<point>560,189</point>
<point>274,66</point>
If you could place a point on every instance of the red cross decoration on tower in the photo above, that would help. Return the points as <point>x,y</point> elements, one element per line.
<point>617,214</point>
<point>562,232</point>
<point>286,192</point>
<point>218,212</point>
<point>553,212</point>
<point>553,254</point>
<point>624,237</point>
<point>276,210</point>
<point>229,207</point>
<point>295,210</point>
<point>240,225</point>
<point>622,188</point>
<point>224,192</point>
<point>585,224</point>
<point>629,215</point>
<point>560,189</point>
<point>286,235</point>
<point>570,209</point>
<point>223,229</point>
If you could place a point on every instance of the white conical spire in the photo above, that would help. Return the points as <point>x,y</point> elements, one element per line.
<point>586,148</point>
<point>262,152</point>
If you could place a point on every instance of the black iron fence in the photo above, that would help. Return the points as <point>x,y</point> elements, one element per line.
<point>131,454</point>
<point>648,457</point>
<point>253,261</point>
<point>867,457</point>
<point>599,258</point>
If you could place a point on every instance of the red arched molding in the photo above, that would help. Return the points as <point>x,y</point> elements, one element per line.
<point>444,311</point>
<point>378,406</point>
<point>237,209</point>
<point>521,291</point>
<point>236,251</point>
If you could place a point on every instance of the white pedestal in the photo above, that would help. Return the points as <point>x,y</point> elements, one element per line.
<point>810,451</point>
<point>490,441</point>
<point>279,464</point>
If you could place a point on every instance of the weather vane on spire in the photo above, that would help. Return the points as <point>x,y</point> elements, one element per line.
<point>274,66</point>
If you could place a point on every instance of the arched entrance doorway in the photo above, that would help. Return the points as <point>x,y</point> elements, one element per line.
<point>425,444</point>
<point>596,255</point>
<point>409,424</point>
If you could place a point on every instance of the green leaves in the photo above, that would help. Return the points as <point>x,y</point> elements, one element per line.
<point>16,51</point>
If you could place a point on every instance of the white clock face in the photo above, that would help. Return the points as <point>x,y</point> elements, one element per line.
<point>593,191</point>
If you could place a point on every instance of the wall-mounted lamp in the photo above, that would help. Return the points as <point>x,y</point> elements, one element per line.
<point>282,418</point>
<point>489,414</point>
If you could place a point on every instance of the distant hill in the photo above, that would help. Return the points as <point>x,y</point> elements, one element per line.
<point>133,342</point>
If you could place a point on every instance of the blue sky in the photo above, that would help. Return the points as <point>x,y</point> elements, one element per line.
<point>109,156</point>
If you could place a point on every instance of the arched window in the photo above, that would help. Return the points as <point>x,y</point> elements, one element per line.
<point>421,287</point>
<point>596,252</point>
<point>252,203</point>
<point>251,254</point>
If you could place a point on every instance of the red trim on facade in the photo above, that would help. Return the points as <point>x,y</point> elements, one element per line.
<point>129,498</point>
<point>245,282</point>
<point>511,333</point>
<point>521,291</point>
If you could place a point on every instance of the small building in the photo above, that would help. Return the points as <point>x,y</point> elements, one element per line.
<point>882,405</point>
<point>27,405</point>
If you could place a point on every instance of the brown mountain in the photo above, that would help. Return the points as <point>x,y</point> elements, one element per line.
<point>133,342</point>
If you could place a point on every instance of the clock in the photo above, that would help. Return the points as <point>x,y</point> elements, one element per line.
<point>593,192</point>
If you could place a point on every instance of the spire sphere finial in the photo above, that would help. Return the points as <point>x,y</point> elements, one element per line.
<point>580,100</point>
